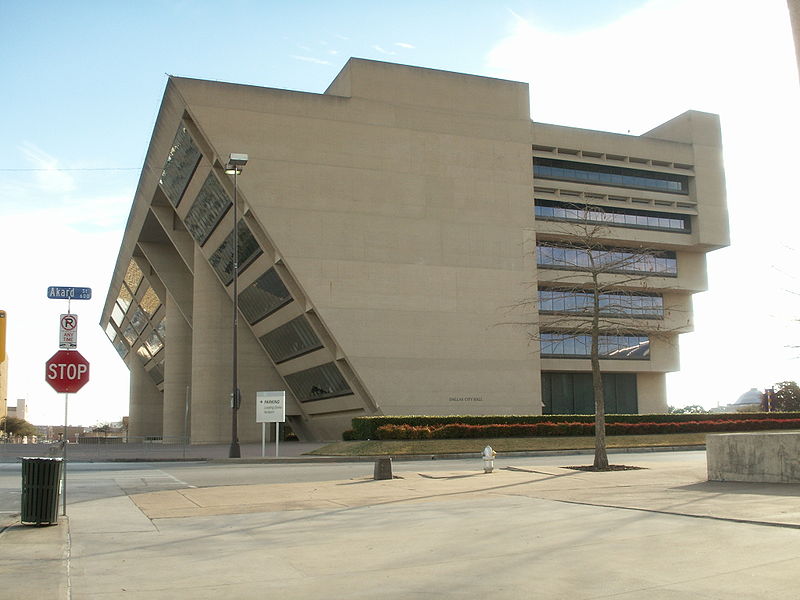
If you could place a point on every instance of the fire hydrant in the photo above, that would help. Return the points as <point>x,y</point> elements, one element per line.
<point>488,459</point>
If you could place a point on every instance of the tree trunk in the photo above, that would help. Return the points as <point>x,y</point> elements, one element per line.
<point>600,454</point>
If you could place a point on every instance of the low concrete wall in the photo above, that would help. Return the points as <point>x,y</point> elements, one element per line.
<point>767,457</point>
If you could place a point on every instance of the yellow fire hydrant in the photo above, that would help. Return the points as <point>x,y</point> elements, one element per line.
<point>488,459</point>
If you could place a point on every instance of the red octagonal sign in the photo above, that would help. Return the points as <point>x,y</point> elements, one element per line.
<point>67,371</point>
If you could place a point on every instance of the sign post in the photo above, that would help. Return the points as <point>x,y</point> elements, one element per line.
<point>67,371</point>
<point>270,408</point>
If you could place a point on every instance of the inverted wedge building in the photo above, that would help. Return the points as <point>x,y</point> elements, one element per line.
<point>387,226</point>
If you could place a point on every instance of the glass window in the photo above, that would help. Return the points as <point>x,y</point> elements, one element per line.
<point>291,340</point>
<point>130,334</point>
<point>612,304</point>
<point>133,277</point>
<point>607,260</point>
<point>161,329</point>
<point>548,168</point>
<point>150,302</point>
<point>209,207</point>
<point>623,347</point>
<point>157,373</point>
<point>124,299</point>
<point>116,314</point>
<point>138,319</point>
<point>121,347</point>
<point>111,332</point>
<point>222,259</point>
<point>153,343</point>
<point>183,158</point>
<point>143,353</point>
<point>318,383</point>
<point>263,297</point>
<point>622,217</point>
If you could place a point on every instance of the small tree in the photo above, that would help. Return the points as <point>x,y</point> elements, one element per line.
<point>16,427</point>
<point>692,409</point>
<point>606,287</point>
<point>786,396</point>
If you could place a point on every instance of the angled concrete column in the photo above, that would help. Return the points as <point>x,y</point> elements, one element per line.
<point>211,357</point>
<point>146,410</point>
<point>177,373</point>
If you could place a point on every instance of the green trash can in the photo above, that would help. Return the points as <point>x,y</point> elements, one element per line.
<point>41,490</point>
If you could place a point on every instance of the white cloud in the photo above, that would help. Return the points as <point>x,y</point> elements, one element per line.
<point>311,59</point>
<point>49,177</point>
<point>404,45</point>
<point>383,50</point>
<point>652,64</point>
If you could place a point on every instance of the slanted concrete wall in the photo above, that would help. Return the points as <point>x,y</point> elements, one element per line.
<point>766,457</point>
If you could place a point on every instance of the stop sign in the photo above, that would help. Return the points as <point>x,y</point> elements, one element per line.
<point>67,371</point>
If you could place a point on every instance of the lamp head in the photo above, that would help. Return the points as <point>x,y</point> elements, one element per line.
<point>235,163</point>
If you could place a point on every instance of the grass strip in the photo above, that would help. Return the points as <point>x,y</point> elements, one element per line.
<point>411,447</point>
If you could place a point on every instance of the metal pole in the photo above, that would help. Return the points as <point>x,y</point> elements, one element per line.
<point>235,450</point>
<point>64,461</point>
<point>263,440</point>
<point>185,422</point>
<point>277,436</point>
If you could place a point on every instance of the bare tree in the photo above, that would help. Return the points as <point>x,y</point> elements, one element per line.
<point>599,294</point>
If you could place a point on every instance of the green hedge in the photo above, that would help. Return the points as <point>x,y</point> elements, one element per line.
<point>366,428</point>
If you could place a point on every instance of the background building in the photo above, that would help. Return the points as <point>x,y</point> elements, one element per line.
<point>387,225</point>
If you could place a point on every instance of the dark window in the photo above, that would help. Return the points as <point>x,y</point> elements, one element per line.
<point>138,319</point>
<point>157,373</point>
<point>208,209</point>
<point>550,210</point>
<point>121,347</point>
<point>263,297</point>
<point>318,383</point>
<point>153,343</point>
<point>291,340</point>
<point>622,347</point>
<point>222,259</point>
<point>647,306</point>
<point>548,168</point>
<point>572,393</point>
<point>182,161</point>
<point>607,260</point>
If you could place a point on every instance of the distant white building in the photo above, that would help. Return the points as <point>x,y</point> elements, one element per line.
<point>20,411</point>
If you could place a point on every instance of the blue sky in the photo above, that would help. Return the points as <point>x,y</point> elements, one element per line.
<point>82,83</point>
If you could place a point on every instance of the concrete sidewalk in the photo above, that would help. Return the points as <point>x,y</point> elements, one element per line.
<point>662,532</point>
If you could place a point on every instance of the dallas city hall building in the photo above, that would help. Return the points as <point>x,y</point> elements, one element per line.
<point>385,227</point>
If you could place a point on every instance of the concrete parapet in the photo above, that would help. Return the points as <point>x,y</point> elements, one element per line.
<point>766,457</point>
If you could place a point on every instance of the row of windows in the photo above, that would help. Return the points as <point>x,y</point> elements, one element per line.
<point>182,161</point>
<point>209,207</point>
<point>318,383</point>
<point>639,219</point>
<point>263,297</point>
<point>611,304</point>
<point>548,168</point>
<point>607,260</point>
<point>222,259</point>
<point>291,340</point>
<point>623,347</point>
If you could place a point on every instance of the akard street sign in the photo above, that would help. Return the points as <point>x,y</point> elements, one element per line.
<point>60,292</point>
<point>67,371</point>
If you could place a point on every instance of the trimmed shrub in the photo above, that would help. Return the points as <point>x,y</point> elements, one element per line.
<point>365,428</point>
<point>465,430</point>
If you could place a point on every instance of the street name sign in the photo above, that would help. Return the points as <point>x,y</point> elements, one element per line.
<point>60,292</point>
<point>67,371</point>
<point>68,332</point>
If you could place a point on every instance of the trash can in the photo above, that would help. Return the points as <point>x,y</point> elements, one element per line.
<point>41,490</point>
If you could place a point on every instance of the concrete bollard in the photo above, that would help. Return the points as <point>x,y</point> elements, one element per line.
<point>383,468</point>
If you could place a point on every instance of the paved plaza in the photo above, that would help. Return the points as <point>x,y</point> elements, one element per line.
<point>524,531</point>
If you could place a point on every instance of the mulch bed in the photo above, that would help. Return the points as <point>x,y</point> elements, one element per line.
<point>609,468</point>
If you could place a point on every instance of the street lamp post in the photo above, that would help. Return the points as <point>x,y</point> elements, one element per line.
<point>234,167</point>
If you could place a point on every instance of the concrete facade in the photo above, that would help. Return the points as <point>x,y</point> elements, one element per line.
<point>387,226</point>
<point>758,457</point>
